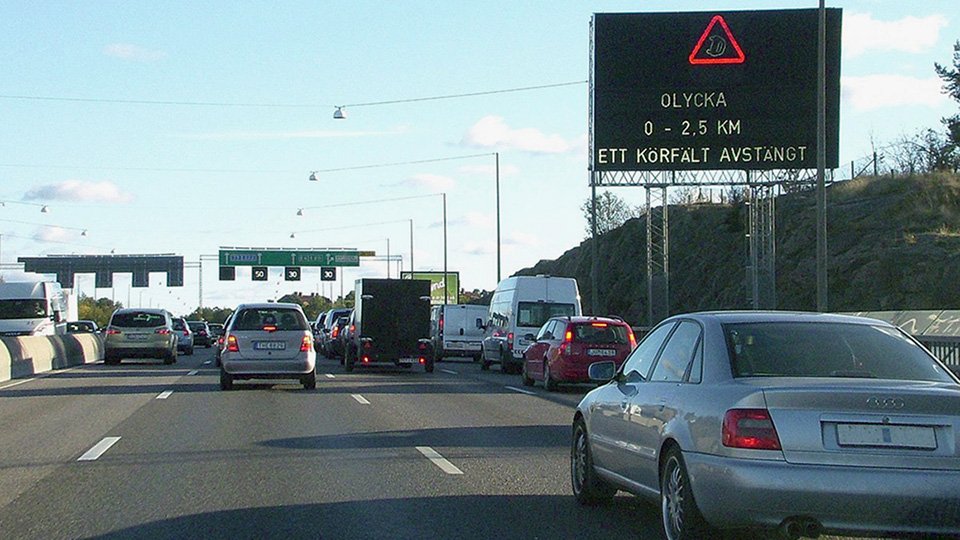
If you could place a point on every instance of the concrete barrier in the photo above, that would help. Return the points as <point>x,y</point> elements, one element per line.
<point>22,357</point>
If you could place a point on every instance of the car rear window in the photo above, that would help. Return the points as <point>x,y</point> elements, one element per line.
<point>535,314</point>
<point>138,319</point>
<point>600,333</point>
<point>178,324</point>
<point>281,319</point>
<point>828,350</point>
<point>197,326</point>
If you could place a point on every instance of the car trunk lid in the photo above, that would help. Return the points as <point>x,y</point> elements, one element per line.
<point>871,423</point>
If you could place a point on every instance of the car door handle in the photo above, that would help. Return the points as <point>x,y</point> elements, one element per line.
<point>624,405</point>
<point>663,404</point>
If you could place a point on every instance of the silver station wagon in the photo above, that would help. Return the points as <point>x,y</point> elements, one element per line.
<point>268,341</point>
<point>797,422</point>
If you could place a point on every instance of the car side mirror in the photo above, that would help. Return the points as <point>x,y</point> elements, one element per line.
<point>602,371</point>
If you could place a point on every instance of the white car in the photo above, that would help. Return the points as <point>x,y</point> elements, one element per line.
<point>268,341</point>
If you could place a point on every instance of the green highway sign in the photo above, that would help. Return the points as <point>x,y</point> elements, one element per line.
<point>288,257</point>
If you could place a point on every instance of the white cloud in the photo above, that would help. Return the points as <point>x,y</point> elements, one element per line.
<point>490,170</point>
<point>871,92</point>
<point>479,248</point>
<point>286,135</point>
<point>53,234</point>
<point>129,51</point>
<point>474,220</point>
<point>493,132</point>
<point>78,190</point>
<point>520,239</point>
<point>863,33</point>
<point>434,182</point>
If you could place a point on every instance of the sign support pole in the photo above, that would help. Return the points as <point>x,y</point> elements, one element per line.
<point>821,161</point>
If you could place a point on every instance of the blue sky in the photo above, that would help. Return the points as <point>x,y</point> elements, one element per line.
<point>187,179</point>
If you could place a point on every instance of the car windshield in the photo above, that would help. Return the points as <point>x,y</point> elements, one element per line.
<point>828,350</point>
<point>138,319</point>
<point>600,333</point>
<point>267,318</point>
<point>534,314</point>
<point>23,309</point>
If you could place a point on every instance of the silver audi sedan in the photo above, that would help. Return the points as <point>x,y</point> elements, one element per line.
<point>798,423</point>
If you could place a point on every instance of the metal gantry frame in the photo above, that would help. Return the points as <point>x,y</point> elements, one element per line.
<point>762,189</point>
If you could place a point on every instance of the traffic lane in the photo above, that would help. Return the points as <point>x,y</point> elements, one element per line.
<point>50,420</point>
<point>512,451</point>
<point>205,451</point>
<point>566,394</point>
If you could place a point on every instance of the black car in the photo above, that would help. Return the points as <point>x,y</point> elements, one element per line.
<point>201,334</point>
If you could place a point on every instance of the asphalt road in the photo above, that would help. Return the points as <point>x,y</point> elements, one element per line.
<point>144,450</point>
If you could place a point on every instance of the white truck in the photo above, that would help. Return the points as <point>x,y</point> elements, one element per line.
<point>37,308</point>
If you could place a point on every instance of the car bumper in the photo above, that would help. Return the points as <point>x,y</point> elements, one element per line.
<point>742,493</point>
<point>138,352</point>
<point>267,367</point>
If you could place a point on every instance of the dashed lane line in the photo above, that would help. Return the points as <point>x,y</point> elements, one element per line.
<point>329,376</point>
<point>439,460</point>
<point>451,372</point>
<point>360,399</point>
<point>165,394</point>
<point>98,449</point>
<point>521,390</point>
<point>194,372</point>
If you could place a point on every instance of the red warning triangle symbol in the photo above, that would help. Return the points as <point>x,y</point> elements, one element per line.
<point>717,45</point>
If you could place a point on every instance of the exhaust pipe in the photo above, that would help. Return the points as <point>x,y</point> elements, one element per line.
<point>793,528</point>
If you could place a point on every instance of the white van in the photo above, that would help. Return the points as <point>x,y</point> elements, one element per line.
<point>454,331</point>
<point>520,306</point>
<point>35,308</point>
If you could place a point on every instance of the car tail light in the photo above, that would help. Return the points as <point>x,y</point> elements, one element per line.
<point>421,345</point>
<point>306,344</point>
<point>633,339</point>
<point>599,325</point>
<point>335,332</point>
<point>440,322</point>
<point>186,333</point>
<point>367,345</point>
<point>423,360</point>
<point>567,340</point>
<point>111,331</point>
<point>163,331</point>
<point>353,328</point>
<point>366,359</point>
<point>510,340</point>
<point>750,428</point>
<point>269,328</point>
<point>232,345</point>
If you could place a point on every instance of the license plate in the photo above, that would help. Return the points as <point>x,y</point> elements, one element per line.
<point>878,435</point>
<point>601,352</point>
<point>270,345</point>
<point>406,361</point>
<point>136,337</point>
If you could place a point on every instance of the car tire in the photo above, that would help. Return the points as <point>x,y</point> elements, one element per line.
<point>484,363</point>
<point>428,365</point>
<point>226,380</point>
<point>189,351</point>
<point>111,360</point>
<point>310,381</point>
<point>680,517</point>
<point>348,360</point>
<point>527,379</point>
<point>549,383</point>
<point>170,358</point>
<point>588,488</point>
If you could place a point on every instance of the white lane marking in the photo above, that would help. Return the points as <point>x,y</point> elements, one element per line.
<point>449,371</point>
<point>329,376</point>
<point>360,399</point>
<point>206,363</point>
<point>165,394</point>
<point>439,460</point>
<point>194,372</point>
<point>94,453</point>
<point>521,390</point>
<point>42,376</point>
<point>18,383</point>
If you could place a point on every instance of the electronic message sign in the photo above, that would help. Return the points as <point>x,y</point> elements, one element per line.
<point>712,90</point>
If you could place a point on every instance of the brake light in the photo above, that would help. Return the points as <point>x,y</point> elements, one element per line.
<point>112,331</point>
<point>269,328</point>
<point>423,360</point>
<point>232,345</point>
<point>750,428</point>
<point>366,359</point>
<point>633,339</point>
<point>163,331</point>
<point>336,330</point>
<point>186,333</point>
<point>510,340</point>
<point>567,340</point>
<point>599,325</point>
<point>353,328</point>
<point>306,344</point>
<point>568,337</point>
<point>440,322</point>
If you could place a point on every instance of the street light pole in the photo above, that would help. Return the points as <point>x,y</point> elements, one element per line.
<point>445,288</point>
<point>497,156</point>
<point>411,248</point>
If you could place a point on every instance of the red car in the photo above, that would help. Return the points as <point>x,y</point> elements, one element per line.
<point>566,346</point>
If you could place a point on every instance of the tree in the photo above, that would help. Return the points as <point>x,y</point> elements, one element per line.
<point>612,212</point>
<point>210,314</point>
<point>98,311</point>
<point>951,87</point>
